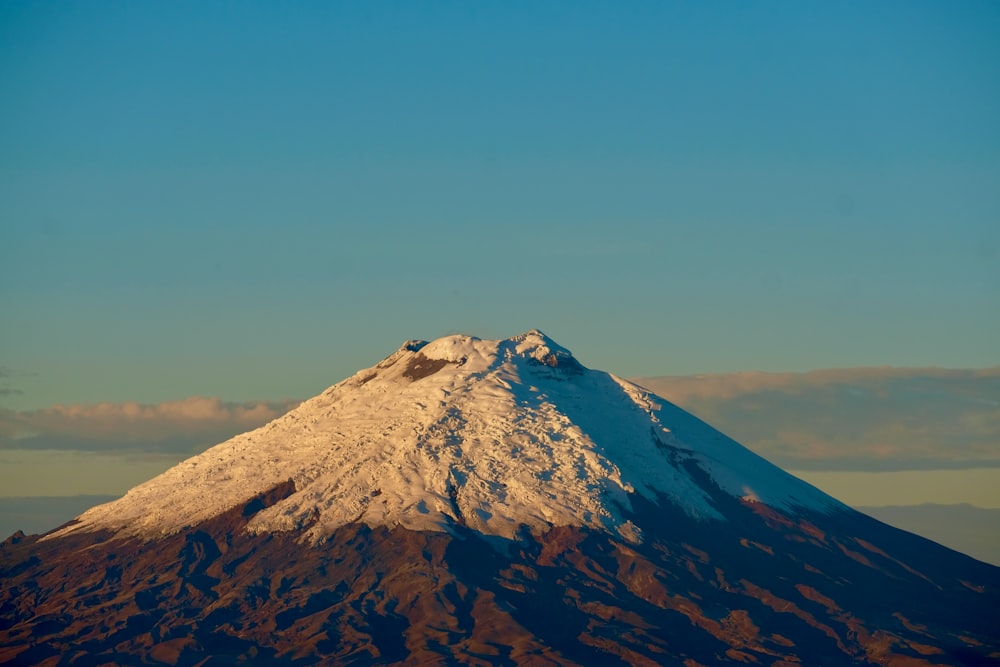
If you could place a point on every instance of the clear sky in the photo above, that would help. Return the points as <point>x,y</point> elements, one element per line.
<point>252,200</point>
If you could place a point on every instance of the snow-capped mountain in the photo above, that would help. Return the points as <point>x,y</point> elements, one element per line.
<point>485,502</point>
<point>493,434</point>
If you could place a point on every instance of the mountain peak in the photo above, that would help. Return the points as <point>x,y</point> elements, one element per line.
<point>460,348</point>
<point>476,501</point>
<point>490,435</point>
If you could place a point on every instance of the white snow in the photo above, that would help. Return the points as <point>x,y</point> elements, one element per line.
<point>504,433</point>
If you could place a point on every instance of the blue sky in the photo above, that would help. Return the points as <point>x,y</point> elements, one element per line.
<point>253,200</point>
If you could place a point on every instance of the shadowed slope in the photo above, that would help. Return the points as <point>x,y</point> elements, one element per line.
<point>487,502</point>
<point>764,588</point>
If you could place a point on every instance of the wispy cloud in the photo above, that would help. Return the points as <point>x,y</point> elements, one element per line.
<point>5,375</point>
<point>174,427</point>
<point>865,419</point>
<point>852,419</point>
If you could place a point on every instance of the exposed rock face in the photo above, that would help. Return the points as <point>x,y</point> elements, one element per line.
<point>766,588</point>
<point>538,513</point>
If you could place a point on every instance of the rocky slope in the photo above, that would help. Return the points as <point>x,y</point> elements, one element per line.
<point>487,502</point>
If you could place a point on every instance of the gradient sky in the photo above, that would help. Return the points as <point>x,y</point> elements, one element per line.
<point>253,200</point>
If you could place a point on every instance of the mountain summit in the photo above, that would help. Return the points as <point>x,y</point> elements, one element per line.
<point>495,435</point>
<point>469,501</point>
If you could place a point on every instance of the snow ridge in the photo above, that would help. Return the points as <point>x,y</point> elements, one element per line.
<point>490,434</point>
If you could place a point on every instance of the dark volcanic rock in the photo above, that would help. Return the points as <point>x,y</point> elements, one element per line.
<point>765,588</point>
<point>487,503</point>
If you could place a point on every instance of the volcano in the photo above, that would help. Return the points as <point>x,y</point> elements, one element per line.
<point>488,502</point>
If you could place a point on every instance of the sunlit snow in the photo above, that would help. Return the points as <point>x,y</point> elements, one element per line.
<point>492,434</point>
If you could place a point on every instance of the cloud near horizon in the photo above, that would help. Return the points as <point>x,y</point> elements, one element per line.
<point>5,389</point>
<point>185,426</point>
<point>862,419</point>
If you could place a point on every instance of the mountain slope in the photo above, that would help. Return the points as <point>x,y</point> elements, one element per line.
<point>488,502</point>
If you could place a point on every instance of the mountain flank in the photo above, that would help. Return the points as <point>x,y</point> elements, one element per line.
<point>486,502</point>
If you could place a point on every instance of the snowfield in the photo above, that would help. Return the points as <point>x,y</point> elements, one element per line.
<point>491,434</point>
